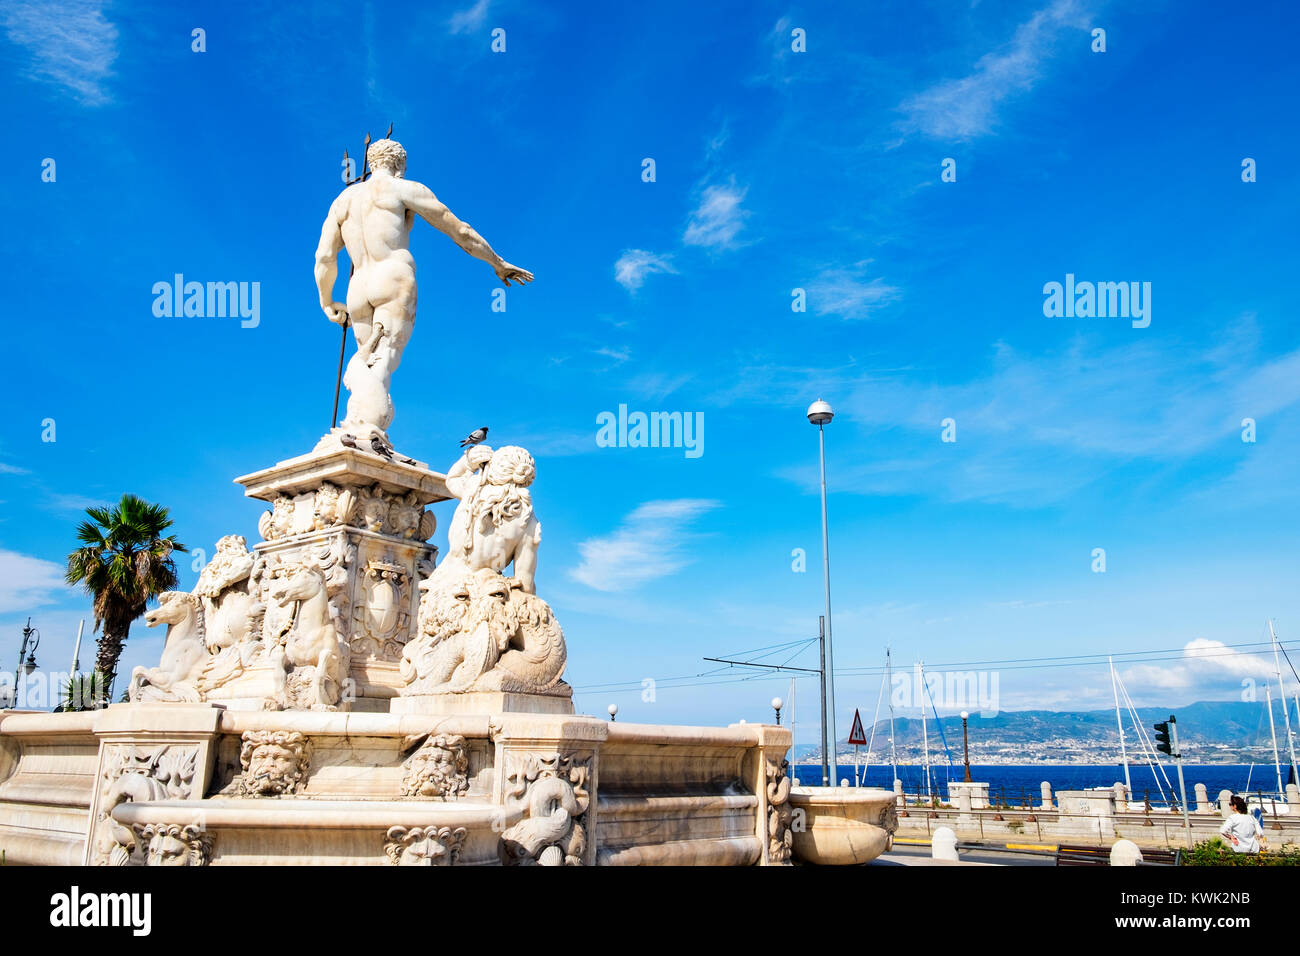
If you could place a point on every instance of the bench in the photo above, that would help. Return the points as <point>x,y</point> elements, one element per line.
<point>1080,855</point>
<point>1085,855</point>
<point>1160,857</point>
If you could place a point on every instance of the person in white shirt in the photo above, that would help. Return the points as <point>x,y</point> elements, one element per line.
<point>1241,829</point>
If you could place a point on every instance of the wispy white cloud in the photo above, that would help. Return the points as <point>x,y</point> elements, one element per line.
<point>967,107</point>
<point>1206,667</point>
<point>471,18</point>
<point>27,582</point>
<point>781,66</point>
<point>74,502</point>
<point>71,44</point>
<point>657,385</point>
<point>650,543</point>
<point>1082,398</point>
<point>718,217</point>
<point>12,470</point>
<point>713,224</point>
<point>1033,430</point>
<point>717,143</point>
<point>634,265</point>
<point>848,293</point>
<point>558,444</point>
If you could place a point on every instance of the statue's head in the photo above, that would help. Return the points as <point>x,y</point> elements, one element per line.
<point>387,154</point>
<point>511,465</point>
<point>233,542</point>
<point>173,608</point>
<point>274,761</point>
<point>171,844</point>
<point>438,768</point>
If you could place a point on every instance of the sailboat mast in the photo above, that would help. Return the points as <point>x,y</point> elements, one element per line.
<point>1119,722</point>
<point>1286,714</point>
<point>871,744</point>
<point>925,737</point>
<point>1272,729</point>
<point>893,757</point>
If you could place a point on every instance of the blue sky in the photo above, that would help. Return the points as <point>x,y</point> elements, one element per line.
<point>775,170</point>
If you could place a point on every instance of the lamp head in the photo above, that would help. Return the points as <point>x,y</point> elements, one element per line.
<point>820,413</point>
<point>777,703</point>
<point>964,715</point>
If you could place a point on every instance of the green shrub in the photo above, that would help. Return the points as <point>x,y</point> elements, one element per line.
<point>1216,852</point>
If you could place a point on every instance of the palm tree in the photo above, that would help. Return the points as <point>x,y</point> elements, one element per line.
<point>124,562</point>
<point>84,692</point>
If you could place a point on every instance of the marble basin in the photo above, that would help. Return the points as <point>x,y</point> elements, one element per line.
<point>842,826</point>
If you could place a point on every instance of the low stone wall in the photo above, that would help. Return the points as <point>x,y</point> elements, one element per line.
<point>1048,826</point>
<point>48,773</point>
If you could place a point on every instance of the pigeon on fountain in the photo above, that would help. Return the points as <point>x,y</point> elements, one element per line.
<point>474,437</point>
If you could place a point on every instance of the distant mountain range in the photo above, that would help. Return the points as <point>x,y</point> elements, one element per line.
<point>1207,730</point>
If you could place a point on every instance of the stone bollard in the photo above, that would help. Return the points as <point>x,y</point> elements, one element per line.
<point>1225,810</point>
<point>1292,797</point>
<point>1121,796</point>
<point>898,793</point>
<point>1047,796</point>
<point>963,802</point>
<point>1125,853</point>
<point>943,845</point>
<point>1203,804</point>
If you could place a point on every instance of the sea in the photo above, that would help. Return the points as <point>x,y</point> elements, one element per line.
<point>1016,784</point>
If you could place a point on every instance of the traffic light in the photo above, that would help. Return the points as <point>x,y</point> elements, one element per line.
<point>1162,736</point>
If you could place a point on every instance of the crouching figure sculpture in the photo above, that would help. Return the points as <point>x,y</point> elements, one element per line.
<point>484,632</point>
<point>479,629</point>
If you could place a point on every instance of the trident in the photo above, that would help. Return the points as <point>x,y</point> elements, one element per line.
<point>347,320</point>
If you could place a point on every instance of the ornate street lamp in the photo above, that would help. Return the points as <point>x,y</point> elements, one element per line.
<point>965,740</point>
<point>31,640</point>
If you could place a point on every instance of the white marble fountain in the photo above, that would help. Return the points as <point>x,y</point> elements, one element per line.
<point>335,695</point>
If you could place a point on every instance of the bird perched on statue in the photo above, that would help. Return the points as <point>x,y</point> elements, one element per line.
<point>347,441</point>
<point>474,437</point>
<point>380,447</point>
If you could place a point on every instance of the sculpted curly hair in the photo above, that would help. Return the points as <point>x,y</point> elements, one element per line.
<point>388,154</point>
<point>511,465</point>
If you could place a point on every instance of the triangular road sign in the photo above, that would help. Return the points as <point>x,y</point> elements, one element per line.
<point>857,736</point>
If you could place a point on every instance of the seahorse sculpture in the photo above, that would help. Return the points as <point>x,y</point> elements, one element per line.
<point>185,652</point>
<point>313,661</point>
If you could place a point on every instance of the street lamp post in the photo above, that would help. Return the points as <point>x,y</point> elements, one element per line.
<point>965,741</point>
<point>777,704</point>
<point>820,414</point>
<point>613,711</point>
<point>33,637</point>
